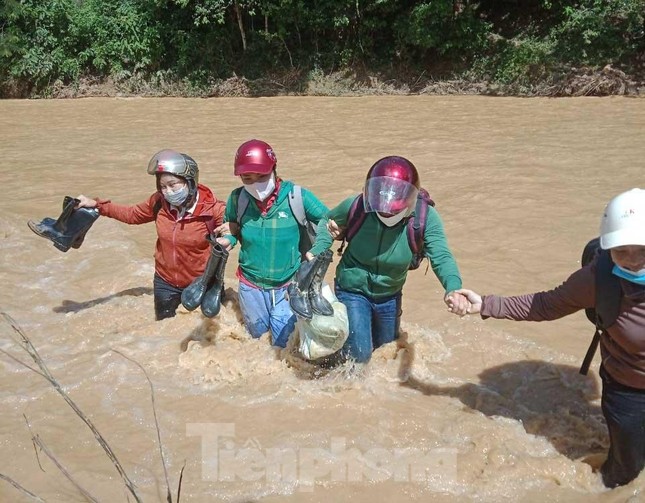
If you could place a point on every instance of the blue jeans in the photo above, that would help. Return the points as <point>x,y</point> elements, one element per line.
<point>624,411</point>
<point>372,323</point>
<point>267,309</point>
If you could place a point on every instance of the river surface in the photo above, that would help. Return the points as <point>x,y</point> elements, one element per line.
<point>460,410</point>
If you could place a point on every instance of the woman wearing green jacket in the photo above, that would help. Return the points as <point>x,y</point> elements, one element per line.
<point>269,236</point>
<point>373,269</point>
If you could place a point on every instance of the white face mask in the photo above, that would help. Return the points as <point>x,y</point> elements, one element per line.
<point>394,219</point>
<point>261,190</point>
<point>177,198</point>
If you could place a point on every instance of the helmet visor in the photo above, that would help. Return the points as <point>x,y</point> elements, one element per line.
<point>169,161</point>
<point>389,195</point>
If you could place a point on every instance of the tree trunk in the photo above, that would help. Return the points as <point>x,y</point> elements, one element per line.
<point>238,14</point>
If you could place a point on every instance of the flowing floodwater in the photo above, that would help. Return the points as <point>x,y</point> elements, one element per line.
<point>460,410</point>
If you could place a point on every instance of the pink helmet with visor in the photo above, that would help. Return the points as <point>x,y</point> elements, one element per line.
<point>254,156</point>
<point>391,186</point>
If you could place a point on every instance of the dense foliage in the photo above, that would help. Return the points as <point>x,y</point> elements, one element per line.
<point>200,41</point>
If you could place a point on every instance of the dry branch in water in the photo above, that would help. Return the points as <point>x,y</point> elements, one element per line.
<point>20,488</point>
<point>26,344</point>
<point>39,443</point>
<point>154,411</point>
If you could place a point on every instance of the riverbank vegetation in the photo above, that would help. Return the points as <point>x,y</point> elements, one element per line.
<point>69,48</point>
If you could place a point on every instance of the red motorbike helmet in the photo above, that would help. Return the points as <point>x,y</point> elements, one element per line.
<point>254,156</point>
<point>391,186</point>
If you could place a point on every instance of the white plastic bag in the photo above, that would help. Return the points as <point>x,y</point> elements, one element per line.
<point>324,335</point>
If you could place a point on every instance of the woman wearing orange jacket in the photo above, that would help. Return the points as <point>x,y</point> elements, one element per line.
<point>185,214</point>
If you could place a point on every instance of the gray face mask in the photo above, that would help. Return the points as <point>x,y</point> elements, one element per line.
<point>177,198</point>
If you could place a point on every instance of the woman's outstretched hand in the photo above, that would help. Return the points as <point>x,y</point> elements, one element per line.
<point>457,303</point>
<point>85,202</point>
<point>474,299</point>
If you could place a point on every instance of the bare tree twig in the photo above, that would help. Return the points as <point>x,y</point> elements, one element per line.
<point>37,441</point>
<point>33,353</point>
<point>33,444</point>
<point>22,363</point>
<point>154,412</point>
<point>181,476</point>
<point>20,488</point>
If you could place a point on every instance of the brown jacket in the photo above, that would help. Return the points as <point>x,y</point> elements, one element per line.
<point>622,348</point>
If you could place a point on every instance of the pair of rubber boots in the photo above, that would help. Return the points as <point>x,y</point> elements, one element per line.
<point>305,292</point>
<point>68,231</point>
<point>206,290</point>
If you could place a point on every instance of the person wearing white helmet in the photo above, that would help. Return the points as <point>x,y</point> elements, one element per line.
<point>622,342</point>
<point>188,259</point>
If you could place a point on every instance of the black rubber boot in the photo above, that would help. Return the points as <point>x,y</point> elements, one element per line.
<point>69,230</point>
<point>298,290</point>
<point>193,294</point>
<point>212,301</point>
<point>319,304</point>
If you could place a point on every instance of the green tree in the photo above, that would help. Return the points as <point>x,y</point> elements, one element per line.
<point>37,43</point>
<point>113,36</point>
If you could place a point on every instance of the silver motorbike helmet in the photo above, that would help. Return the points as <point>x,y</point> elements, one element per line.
<point>178,164</point>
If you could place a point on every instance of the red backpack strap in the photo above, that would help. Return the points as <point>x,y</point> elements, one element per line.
<point>415,231</point>
<point>355,218</point>
<point>416,227</point>
<point>417,224</point>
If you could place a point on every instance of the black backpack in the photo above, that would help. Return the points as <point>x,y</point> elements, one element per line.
<point>609,295</point>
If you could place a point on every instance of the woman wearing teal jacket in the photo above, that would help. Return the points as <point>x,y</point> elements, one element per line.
<point>374,266</point>
<point>269,236</point>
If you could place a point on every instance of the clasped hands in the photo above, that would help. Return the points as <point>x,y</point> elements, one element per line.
<point>460,302</point>
<point>463,301</point>
<point>227,228</point>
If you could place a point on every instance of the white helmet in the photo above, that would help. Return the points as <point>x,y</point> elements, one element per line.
<point>623,222</point>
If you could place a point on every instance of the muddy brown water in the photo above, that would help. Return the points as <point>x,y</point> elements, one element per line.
<point>466,410</point>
